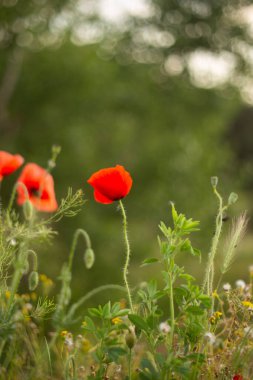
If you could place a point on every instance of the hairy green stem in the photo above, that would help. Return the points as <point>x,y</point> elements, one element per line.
<point>130,364</point>
<point>172,312</point>
<point>79,232</point>
<point>125,269</point>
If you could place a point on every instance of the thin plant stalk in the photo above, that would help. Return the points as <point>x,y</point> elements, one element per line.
<point>129,364</point>
<point>64,296</point>
<point>13,193</point>
<point>172,313</point>
<point>125,269</point>
<point>209,275</point>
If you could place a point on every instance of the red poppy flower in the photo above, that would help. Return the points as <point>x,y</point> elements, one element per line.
<point>110,184</point>
<point>237,377</point>
<point>9,163</point>
<point>40,188</point>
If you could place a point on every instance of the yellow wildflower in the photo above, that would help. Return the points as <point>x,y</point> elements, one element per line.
<point>34,296</point>
<point>7,294</point>
<point>215,317</point>
<point>63,333</point>
<point>248,304</point>
<point>217,314</point>
<point>116,320</point>
<point>86,345</point>
<point>215,294</point>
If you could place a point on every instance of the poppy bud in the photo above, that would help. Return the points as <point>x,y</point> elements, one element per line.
<point>130,338</point>
<point>28,210</point>
<point>232,198</point>
<point>56,149</point>
<point>214,181</point>
<point>33,280</point>
<point>89,258</point>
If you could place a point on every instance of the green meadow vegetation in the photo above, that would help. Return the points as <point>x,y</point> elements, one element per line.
<point>150,278</point>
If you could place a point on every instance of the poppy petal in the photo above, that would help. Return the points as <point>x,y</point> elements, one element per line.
<point>99,197</point>
<point>9,163</point>
<point>40,188</point>
<point>112,183</point>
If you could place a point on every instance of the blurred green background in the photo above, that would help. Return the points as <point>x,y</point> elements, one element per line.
<point>162,87</point>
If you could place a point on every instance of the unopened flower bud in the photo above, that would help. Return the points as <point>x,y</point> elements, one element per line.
<point>232,198</point>
<point>51,164</point>
<point>89,258</point>
<point>28,210</point>
<point>56,149</point>
<point>214,181</point>
<point>130,338</point>
<point>33,280</point>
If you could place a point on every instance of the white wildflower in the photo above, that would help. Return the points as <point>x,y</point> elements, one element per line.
<point>227,287</point>
<point>210,338</point>
<point>164,327</point>
<point>240,284</point>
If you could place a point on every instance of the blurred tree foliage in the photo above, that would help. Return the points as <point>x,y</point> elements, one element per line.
<point>105,111</point>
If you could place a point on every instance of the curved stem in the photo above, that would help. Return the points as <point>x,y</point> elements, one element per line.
<point>79,232</point>
<point>125,269</point>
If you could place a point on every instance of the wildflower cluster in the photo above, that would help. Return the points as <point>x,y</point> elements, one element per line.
<point>166,328</point>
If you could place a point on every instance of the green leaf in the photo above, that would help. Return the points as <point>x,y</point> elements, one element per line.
<point>196,310</point>
<point>121,313</point>
<point>174,213</point>
<point>90,326</point>
<point>107,310</point>
<point>138,322</point>
<point>149,261</point>
<point>181,292</point>
<point>115,352</point>
<point>187,277</point>
<point>94,312</point>
<point>205,300</point>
